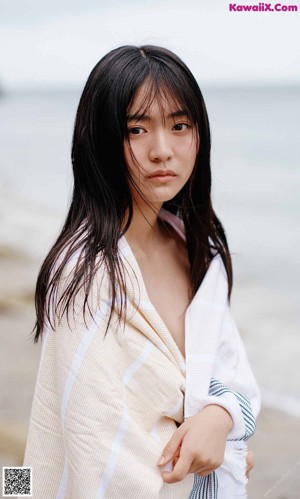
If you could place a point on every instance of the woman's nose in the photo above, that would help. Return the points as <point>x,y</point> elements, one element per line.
<point>161,147</point>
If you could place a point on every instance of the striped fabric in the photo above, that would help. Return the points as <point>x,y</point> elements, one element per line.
<point>207,486</point>
<point>218,389</point>
<point>104,408</point>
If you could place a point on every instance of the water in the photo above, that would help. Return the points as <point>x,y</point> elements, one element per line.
<point>256,185</point>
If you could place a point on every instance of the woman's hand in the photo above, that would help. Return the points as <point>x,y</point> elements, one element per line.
<point>198,445</point>
<point>250,462</point>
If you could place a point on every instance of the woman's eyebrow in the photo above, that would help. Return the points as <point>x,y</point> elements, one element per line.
<point>178,114</point>
<point>145,117</point>
<point>138,117</point>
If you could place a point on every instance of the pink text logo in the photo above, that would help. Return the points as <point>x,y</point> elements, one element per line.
<point>262,7</point>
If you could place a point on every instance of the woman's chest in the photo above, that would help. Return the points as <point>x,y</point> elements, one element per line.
<point>167,283</point>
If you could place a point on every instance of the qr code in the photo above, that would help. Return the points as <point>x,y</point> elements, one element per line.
<point>17,481</point>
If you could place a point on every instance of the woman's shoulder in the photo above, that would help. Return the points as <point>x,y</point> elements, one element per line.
<point>77,267</point>
<point>73,276</point>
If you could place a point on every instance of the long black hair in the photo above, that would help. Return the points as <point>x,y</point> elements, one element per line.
<point>101,194</point>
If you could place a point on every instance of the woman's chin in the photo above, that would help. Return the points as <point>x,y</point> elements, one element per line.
<point>160,195</point>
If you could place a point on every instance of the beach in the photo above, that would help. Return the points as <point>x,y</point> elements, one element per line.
<point>256,185</point>
<point>275,443</point>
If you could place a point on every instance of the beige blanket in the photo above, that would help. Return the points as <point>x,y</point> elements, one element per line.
<point>103,409</point>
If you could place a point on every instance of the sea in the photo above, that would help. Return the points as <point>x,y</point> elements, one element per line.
<point>255,190</point>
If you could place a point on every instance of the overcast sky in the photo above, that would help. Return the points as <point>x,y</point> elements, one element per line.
<point>58,42</point>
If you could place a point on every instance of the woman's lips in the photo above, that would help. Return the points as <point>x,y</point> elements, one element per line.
<point>162,176</point>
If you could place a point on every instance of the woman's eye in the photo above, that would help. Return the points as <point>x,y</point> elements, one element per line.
<point>136,130</point>
<point>179,127</point>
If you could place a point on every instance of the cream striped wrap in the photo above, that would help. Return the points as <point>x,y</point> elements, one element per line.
<point>103,409</point>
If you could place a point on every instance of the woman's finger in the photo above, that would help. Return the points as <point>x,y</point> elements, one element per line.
<point>180,470</point>
<point>172,447</point>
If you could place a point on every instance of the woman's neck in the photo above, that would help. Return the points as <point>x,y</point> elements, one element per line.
<point>144,228</point>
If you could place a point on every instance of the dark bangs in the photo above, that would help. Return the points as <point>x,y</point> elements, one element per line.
<point>119,76</point>
<point>163,85</point>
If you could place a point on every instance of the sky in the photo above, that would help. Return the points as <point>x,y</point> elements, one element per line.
<point>57,42</point>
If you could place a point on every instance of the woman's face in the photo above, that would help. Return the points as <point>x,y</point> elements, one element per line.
<point>162,149</point>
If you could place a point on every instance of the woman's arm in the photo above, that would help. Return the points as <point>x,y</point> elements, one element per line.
<point>243,406</point>
<point>198,445</point>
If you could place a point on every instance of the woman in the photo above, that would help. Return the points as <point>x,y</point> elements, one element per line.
<point>144,385</point>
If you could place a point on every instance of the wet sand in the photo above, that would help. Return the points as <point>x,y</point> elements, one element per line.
<point>276,443</point>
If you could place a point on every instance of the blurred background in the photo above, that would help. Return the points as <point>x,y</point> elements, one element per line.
<point>248,67</point>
